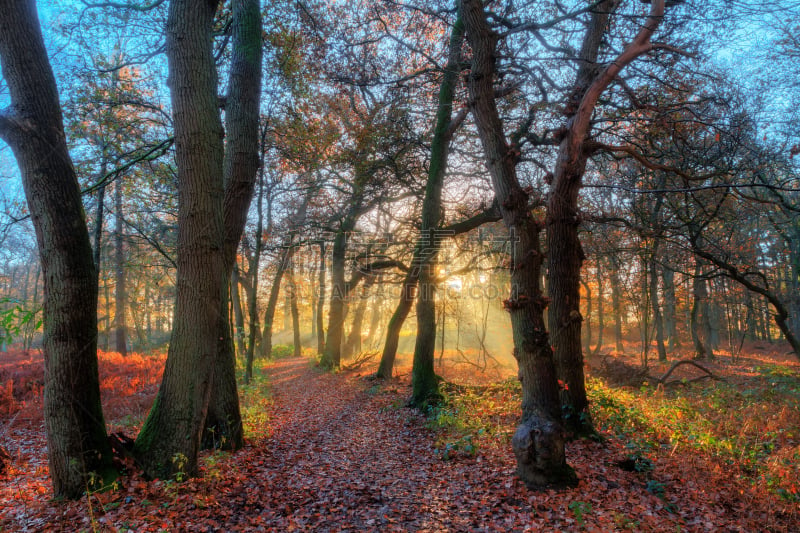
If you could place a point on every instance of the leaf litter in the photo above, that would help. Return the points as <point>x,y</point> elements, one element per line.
<point>342,453</point>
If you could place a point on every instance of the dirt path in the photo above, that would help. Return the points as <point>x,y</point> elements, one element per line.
<point>343,454</point>
<point>347,458</point>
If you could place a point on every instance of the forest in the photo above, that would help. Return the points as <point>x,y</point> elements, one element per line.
<point>346,265</point>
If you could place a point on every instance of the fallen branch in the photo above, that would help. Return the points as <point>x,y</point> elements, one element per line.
<point>708,374</point>
<point>361,360</point>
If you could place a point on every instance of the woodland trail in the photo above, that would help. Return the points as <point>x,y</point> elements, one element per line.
<point>344,455</point>
<point>340,452</point>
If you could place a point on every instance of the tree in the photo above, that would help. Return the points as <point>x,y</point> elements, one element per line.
<point>33,127</point>
<point>425,383</point>
<point>170,439</point>
<point>539,439</point>
<point>240,167</point>
<point>564,253</point>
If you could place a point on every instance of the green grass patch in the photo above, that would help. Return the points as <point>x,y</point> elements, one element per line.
<point>255,401</point>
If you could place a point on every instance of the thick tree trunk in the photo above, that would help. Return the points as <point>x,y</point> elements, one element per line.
<point>169,441</point>
<point>223,427</point>
<point>120,294</point>
<point>33,127</point>
<point>539,439</point>
<point>564,252</point>
<point>332,355</point>
<point>240,166</point>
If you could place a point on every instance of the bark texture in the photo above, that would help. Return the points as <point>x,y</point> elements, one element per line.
<point>425,383</point>
<point>240,167</point>
<point>564,252</point>
<point>33,128</point>
<point>539,439</point>
<point>169,441</point>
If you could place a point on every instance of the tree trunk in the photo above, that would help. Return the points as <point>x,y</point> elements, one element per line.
<point>539,439</point>
<point>587,334</point>
<point>699,324</point>
<point>148,313</point>
<point>616,304</point>
<point>240,166</point>
<point>332,355</point>
<point>425,383</point>
<point>284,261</point>
<point>107,320</point>
<point>100,219</point>
<point>654,301</point>
<point>223,427</point>
<point>295,312</point>
<point>287,307</point>
<point>601,319</point>
<point>320,317</point>
<point>120,294</point>
<point>169,441</point>
<point>375,316</point>
<point>407,292</point>
<point>33,127</point>
<point>238,313</point>
<point>564,252</point>
<point>252,302</point>
<point>670,308</point>
<point>352,345</point>
<point>265,349</point>
<point>313,293</point>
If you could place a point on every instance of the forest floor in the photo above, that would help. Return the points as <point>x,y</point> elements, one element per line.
<point>341,452</point>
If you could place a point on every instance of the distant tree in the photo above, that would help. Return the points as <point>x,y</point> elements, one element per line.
<point>33,127</point>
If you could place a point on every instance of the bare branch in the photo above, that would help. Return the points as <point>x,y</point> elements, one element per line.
<point>122,5</point>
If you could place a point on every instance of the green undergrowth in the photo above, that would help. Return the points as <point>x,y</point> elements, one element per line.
<point>467,417</point>
<point>255,401</point>
<point>752,425</point>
